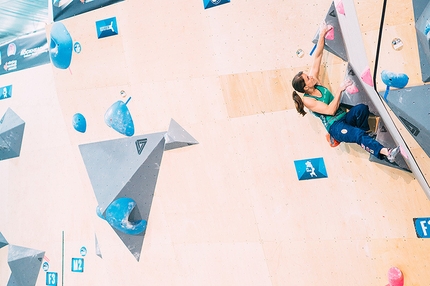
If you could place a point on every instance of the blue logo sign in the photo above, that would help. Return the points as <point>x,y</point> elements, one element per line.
<point>77,265</point>
<point>6,92</point>
<point>51,278</point>
<point>310,169</point>
<point>77,47</point>
<point>107,27</point>
<point>45,266</point>
<point>422,227</point>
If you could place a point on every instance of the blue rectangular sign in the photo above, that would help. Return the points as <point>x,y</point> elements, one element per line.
<point>6,92</point>
<point>422,227</point>
<point>77,265</point>
<point>213,3</point>
<point>51,278</point>
<point>310,168</point>
<point>107,27</point>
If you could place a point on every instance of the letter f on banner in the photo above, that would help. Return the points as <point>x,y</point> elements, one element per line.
<point>424,228</point>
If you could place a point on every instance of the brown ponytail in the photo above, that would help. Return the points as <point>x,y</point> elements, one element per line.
<point>299,85</point>
<point>299,103</point>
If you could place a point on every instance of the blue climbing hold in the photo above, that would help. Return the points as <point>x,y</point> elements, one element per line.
<point>117,215</point>
<point>119,118</point>
<point>427,28</point>
<point>79,123</point>
<point>397,80</point>
<point>61,46</point>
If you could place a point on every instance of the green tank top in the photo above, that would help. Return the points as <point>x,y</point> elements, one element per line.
<point>327,97</point>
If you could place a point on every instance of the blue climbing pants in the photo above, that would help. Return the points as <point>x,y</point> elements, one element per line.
<point>352,129</point>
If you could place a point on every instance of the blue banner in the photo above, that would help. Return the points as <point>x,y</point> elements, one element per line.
<point>24,52</point>
<point>422,227</point>
<point>62,9</point>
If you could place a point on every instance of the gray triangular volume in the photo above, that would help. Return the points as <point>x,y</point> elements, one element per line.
<point>422,14</point>
<point>411,106</point>
<point>385,138</point>
<point>111,164</point>
<point>13,282</point>
<point>177,137</point>
<point>420,27</point>
<point>141,188</point>
<point>11,133</point>
<point>419,7</point>
<point>24,264</point>
<point>98,252</point>
<point>337,45</point>
<point>356,93</point>
<point>3,241</point>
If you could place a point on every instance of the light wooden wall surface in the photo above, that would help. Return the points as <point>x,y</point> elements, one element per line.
<point>230,210</point>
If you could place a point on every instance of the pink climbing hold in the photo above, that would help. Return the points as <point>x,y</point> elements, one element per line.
<point>395,277</point>
<point>330,33</point>
<point>339,7</point>
<point>366,77</point>
<point>352,89</point>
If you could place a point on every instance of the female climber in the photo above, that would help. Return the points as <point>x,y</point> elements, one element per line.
<point>343,126</point>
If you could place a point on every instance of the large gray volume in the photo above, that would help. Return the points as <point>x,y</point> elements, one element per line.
<point>11,133</point>
<point>337,45</point>
<point>422,16</point>
<point>361,96</point>
<point>24,264</point>
<point>126,167</point>
<point>385,138</point>
<point>412,106</point>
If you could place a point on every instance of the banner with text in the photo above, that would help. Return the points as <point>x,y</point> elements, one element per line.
<point>24,52</point>
<point>62,9</point>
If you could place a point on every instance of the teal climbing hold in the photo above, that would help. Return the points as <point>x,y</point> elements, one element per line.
<point>117,215</point>
<point>118,117</point>
<point>79,123</point>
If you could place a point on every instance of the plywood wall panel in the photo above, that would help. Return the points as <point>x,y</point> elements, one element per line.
<point>229,210</point>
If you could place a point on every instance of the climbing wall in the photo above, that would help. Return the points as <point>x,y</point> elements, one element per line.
<point>230,210</point>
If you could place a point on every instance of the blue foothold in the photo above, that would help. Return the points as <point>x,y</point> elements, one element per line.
<point>61,46</point>
<point>117,215</point>
<point>397,80</point>
<point>79,123</point>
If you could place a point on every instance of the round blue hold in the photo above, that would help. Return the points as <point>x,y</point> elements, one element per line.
<point>119,118</point>
<point>117,215</point>
<point>397,80</point>
<point>61,46</point>
<point>45,266</point>
<point>79,123</point>
<point>83,251</point>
